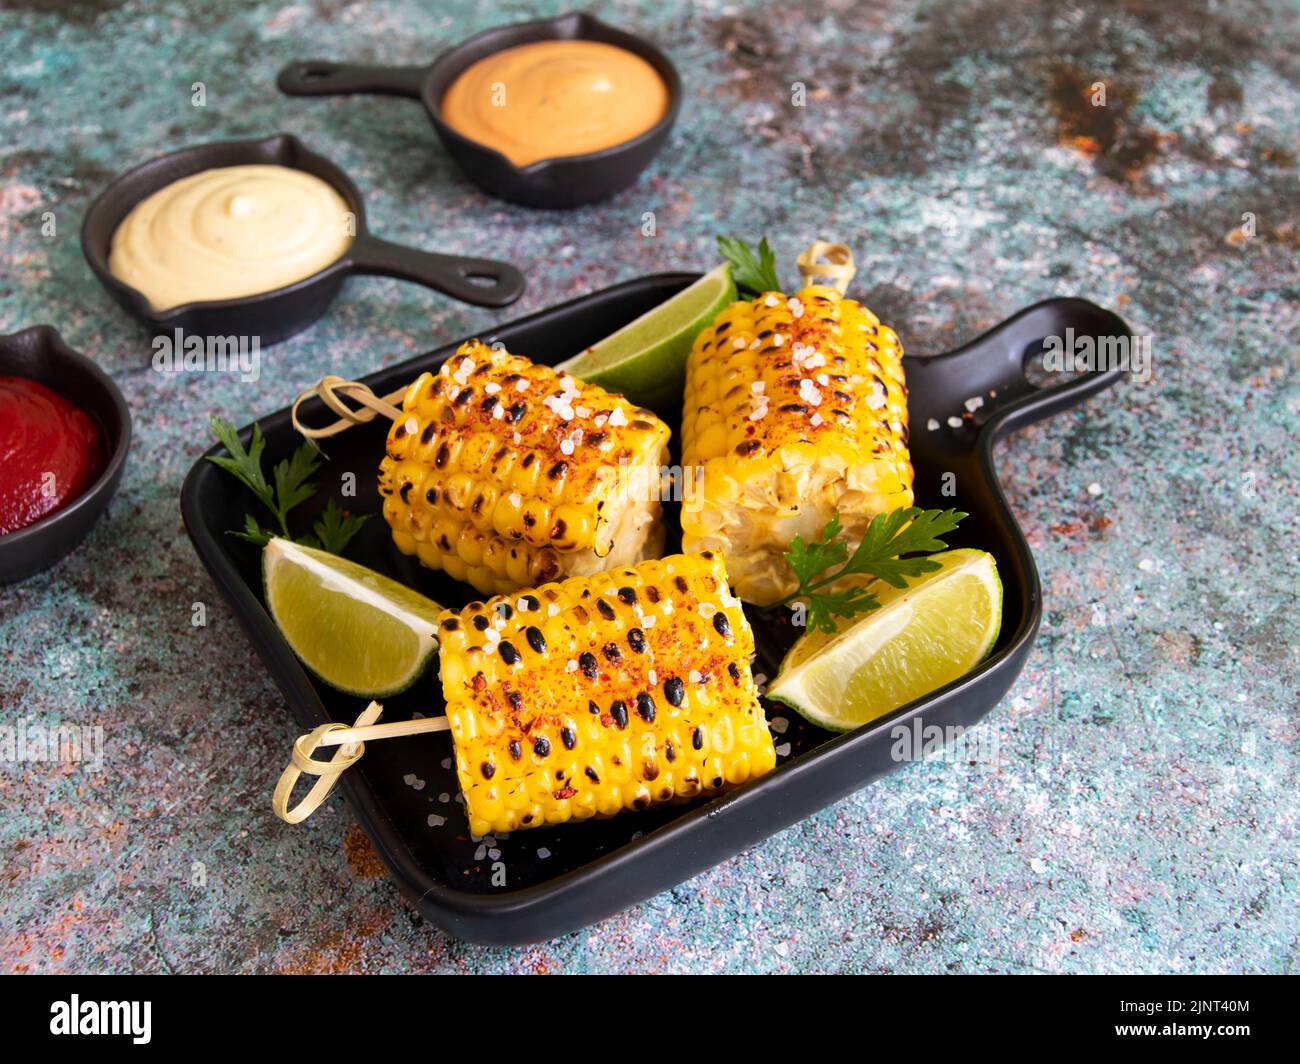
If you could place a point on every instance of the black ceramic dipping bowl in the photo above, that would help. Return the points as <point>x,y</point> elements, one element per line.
<point>278,314</point>
<point>566,181</point>
<point>40,354</point>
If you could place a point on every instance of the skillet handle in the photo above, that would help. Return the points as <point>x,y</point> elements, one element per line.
<point>320,77</point>
<point>482,282</point>
<point>992,367</point>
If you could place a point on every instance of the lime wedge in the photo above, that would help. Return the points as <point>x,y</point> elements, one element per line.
<point>646,359</point>
<point>357,630</point>
<point>922,637</point>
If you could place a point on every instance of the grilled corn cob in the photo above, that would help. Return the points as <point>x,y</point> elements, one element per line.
<point>599,694</point>
<point>795,409</point>
<point>507,474</point>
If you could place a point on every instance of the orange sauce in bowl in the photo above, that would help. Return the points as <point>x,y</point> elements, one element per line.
<point>555,98</point>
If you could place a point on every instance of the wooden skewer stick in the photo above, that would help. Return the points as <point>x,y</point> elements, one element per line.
<point>331,390</point>
<point>832,262</point>
<point>351,745</point>
<point>386,731</point>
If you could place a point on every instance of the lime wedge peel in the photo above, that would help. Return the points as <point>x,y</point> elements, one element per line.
<point>922,638</point>
<point>356,629</point>
<point>646,359</point>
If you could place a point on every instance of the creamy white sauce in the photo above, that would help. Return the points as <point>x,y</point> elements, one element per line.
<point>230,232</point>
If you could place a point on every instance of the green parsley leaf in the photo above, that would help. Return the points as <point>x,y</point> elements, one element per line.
<point>246,466</point>
<point>253,532</point>
<point>825,606</point>
<point>907,531</point>
<point>290,486</point>
<point>335,527</point>
<point>757,275</point>
<point>807,560</point>
<point>880,554</point>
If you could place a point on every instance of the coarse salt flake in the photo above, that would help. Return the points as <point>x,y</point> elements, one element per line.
<point>809,392</point>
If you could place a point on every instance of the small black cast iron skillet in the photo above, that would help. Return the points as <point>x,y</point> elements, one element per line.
<point>568,181</point>
<point>40,354</point>
<point>278,314</point>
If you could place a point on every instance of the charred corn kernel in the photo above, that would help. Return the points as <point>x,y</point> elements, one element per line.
<point>598,694</point>
<point>796,409</point>
<point>505,474</point>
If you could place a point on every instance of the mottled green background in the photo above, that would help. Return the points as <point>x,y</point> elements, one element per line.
<point>1142,812</point>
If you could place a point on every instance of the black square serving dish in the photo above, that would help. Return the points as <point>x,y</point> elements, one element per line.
<point>536,884</point>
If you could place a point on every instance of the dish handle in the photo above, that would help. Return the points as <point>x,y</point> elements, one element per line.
<point>993,367</point>
<point>482,282</point>
<point>320,77</point>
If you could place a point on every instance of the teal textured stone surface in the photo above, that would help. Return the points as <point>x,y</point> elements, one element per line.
<point>1140,812</point>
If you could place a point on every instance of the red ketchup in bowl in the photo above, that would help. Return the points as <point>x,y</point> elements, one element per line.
<point>50,452</point>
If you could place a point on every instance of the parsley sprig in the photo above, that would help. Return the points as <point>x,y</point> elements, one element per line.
<point>290,486</point>
<point>907,531</point>
<point>755,274</point>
